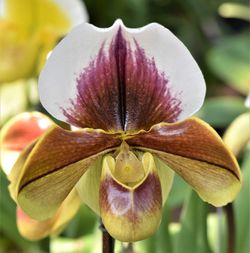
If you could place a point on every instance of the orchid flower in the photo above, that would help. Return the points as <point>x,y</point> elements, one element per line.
<point>130,95</point>
<point>29,29</point>
<point>20,132</point>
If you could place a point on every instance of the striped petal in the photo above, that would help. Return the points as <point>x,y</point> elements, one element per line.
<point>130,213</point>
<point>55,164</point>
<point>17,170</point>
<point>120,78</point>
<point>194,150</point>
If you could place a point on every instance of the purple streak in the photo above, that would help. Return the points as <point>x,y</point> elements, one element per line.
<point>122,89</point>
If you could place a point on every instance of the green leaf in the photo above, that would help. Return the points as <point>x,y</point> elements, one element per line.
<point>221,111</point>
<point>242,208</point>
<point>83,223</point>
<point>12,99</point>
<point>178,193</point>
<point>192,237</point>
<point>229,60</point>
<point>160,242</point>
<point>8,228</point>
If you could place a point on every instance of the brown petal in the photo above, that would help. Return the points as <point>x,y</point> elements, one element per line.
<point>130,213</point>
<point>195,151</point>
<point>54,166</point>
<point>18,169</point>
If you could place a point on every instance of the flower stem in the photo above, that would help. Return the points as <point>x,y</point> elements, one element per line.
<point>130,248</point>
<point>231,227</point>
<point>45,245</point>
<point>108,242</point>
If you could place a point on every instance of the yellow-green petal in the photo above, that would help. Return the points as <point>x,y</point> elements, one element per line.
<point>130,213</point>
<point>55,165</point>
<point>36,230</point>
<point>237,135</point>
<point>197,153</point>
<point>88,186</point>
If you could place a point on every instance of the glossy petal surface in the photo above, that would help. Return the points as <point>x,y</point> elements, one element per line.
<point>166,175</point>
<point>194,150</point>
<point>130,213</point>
<point>17,133</point>
<point>237,134</point>
<point>22,129</point>
<point>54,166</point>
<point>89,184</point>
<point>121,79</point>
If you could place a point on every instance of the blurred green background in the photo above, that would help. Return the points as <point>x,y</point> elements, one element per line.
<point>217,34</point>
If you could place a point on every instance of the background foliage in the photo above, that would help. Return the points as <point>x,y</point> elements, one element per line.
<point>221,46</point>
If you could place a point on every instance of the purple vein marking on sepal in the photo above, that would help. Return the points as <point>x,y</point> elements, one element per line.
<point>122,89</point>
<point>96,103</point>
<point>149,91</point>
<point>120,50</point>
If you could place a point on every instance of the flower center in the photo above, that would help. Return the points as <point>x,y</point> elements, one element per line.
<point>128,168</point>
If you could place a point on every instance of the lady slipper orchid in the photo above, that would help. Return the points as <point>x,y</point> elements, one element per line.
<point>20,132</point>
<point>130,94</point>
<point>29,29</point>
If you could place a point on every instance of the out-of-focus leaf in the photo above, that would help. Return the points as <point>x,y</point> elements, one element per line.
<point>83,223</point>
<point>133,13</point>
<point>67,245</point>
<point>229,60</point>
<point>221,111</point>
<point>160,242</point>
<point>12,99</point>
<point>242,208</point>
<point>217,231</point>
<point>234,10</point>
<point>8,227</point>
<point>178,193</point>
<point>192,237</point>
<point>91,243</point>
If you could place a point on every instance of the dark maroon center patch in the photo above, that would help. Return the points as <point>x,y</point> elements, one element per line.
<point>122,89</point>
<point>118,201</point>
